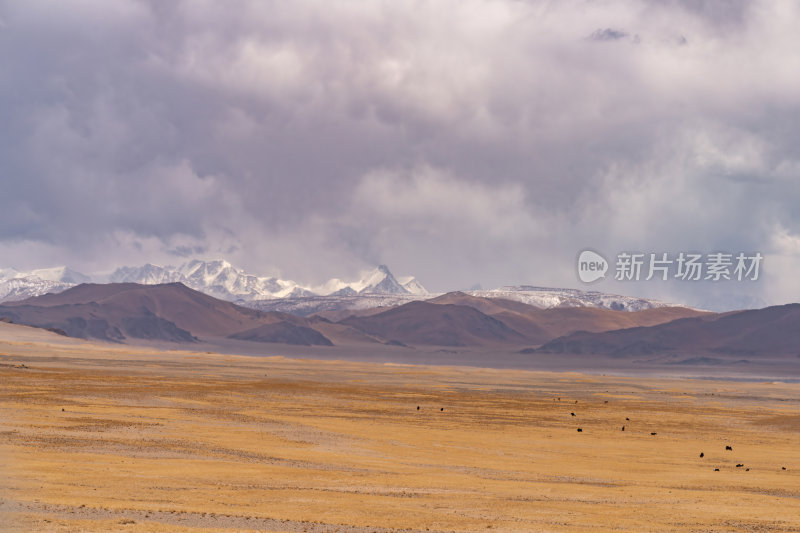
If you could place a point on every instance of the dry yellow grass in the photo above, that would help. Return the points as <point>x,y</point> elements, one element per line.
<point>102,438</point>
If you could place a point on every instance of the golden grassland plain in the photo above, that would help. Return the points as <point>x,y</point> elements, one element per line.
<point>98,437</point>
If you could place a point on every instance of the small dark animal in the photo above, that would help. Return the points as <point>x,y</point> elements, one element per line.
<point>573,414</point>
<point>418,408</point>
<point>623,428</point>
<point>654,433</point>
<point>739,465</point>
<point>783,468</point>
<point>728,448</point>
<point>606,401</point>
<point>746,469</point>
<point>580,430</point>
<point>702,455</point>
<point>716,470</point>
<point>628,419</point>
<point>442,409</point>
<point>62,409</point>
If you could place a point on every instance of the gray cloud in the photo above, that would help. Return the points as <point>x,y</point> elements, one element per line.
<point>607,34</point>
<point>461,141</point>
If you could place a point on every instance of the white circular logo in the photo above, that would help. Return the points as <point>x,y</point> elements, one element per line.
<point>591,266</point>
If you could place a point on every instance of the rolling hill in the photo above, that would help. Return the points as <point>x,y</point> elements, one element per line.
<point>772,331</point>
<point>542,325</point>
<point>436,324</point>
<point>170,312</point>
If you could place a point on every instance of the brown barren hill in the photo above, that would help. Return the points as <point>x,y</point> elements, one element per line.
<point>169,312</point>
<point>337,315</point>
<point>542,325</point>
<point>427,323</point>
<point>772,331</point>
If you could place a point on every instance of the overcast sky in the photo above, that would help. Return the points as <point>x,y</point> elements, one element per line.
<point>461,141</point>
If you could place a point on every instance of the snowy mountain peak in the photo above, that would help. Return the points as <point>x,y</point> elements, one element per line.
<point>377,287</point>
<point>413,286</point>
<point>207,267</point>
<point>546,297</point>
<point>16,285</point>
<point>218,278</point>
<point>147,274</point>
<point>221,279</point>
<point>61,274</point>
<point>379,281</point>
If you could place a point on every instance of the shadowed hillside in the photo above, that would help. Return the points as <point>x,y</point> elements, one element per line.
<point>171,312</point>
<point>772,331</point>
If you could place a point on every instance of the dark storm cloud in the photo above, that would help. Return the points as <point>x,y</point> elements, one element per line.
<point>460,141</point>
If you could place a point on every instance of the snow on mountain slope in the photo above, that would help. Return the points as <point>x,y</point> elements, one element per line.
<point>545,298</point>
<point>379,281</point>
<point>413,286</point>
<point>146,275</point>
<point>216,278</point>
<point>537,296</point>
<point>21,288</point>
<point>377,287</point>
<point>334,302</point>
<point>16,285</point>
<point>223,280</point>
<point>61,274</point>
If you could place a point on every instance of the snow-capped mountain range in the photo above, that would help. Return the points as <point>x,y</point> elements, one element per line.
<point>376,288</point>
<point>546,298</point>
<point>222,280</point>
<point>16,285</point>
<point>216,278</point>
<point>542,297</point>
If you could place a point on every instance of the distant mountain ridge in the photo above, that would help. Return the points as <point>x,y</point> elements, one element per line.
<point>376,288</point>
<point>16,285</point>
<point>772,330</point>
<point>172,312</point>
<point>175,313</point>
<point>546,298</point>
<point>541,297</point>
<point>222,280</point>
<point>216,278</point>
